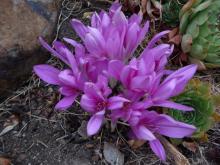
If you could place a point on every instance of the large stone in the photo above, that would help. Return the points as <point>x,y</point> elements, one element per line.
<point>21,23</point>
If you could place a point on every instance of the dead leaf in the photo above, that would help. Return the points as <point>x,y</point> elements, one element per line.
<point>216,117</point>
<point>87,15</point>
<point>200,65</point>
<point>134,144</point>
<point>183,57</point>
<point>176,39</point>
<point>173,33</point>
<point>132,5</point>
<point>191,146</point>
<point>186,7</point>
<point>172,152</point>
<point>10,123</point>
<point>204,138</point>
<point>152,8</point>
<point>157,4</point>
<point>4,161</point>
<point>144,6</point>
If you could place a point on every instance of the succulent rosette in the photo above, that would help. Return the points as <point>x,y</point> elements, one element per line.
<point>198,96</point>
<point>199,25</point>
<point>110,82</point>
<point>168,17</point>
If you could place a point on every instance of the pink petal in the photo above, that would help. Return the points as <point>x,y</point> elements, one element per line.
<point>165,90</point>
<point>143,32</point>
<point>115,6</point>
<point>65,52</point>
<point>131,38</point>
<point>153,41</point>
<point>95,20</point>
<point>143,133</point>
<point>158,149</point>
<point>135,18</point>
<point>120,20</point>
<point>126,75</point>
<point>47,73</point>
<point>67,78</point>
<point>79,49</point>
<point>94,124</point>
<point>67,91</point>
<point>51,50</point>
<point>183,75</point>
<point>79,27</point>
<point>105,22</point>
<point>66,102</point>
<point>173,105</point>
<point>102,84</point>
<point>92,91</point>
<point>140,83</point>
<point>88,103</point>
<point>115,68</point>
<point>93,44</point>
<point>116,102</point>
<point>169,127</point>
<point>146,65</point>
<point>113,44</point>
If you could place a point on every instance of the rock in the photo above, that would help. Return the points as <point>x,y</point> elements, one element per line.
<point>21,23</point>
<point>113,155</point>
<point>82,131</point>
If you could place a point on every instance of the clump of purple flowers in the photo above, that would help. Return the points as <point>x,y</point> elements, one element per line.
<point>113,84</point>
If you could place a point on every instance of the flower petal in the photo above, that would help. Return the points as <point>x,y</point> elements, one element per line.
<point>94,124</point>
<point>127,74</point>
<point>92,91</point>
<point>143,32</point>
<point>67,54</point>
<point>158,149</point>
<point>47,73</point>
<point>88,104</point>
<point>67,78</point>
<point>182,75</point>
<point>67,91</point>
<point>79,49</point>
<point>51,50</point>
<point>79,27</point>
<point>116,102</point>
<point>153,41</point>
<point>143,133</point>
<point>169,127</point>
<point>165,90</point>
<point>115,68</point>
<point>66,102</point>
<point>173,105</point>
<point>95,20</point>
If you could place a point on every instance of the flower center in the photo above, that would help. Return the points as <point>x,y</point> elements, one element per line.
<point>127,105</point>
<point>101,105</point>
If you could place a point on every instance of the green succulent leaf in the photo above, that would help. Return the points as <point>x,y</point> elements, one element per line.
<point>198,96</point>
<point>201,20</point>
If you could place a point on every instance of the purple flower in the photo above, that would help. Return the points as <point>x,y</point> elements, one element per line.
<point>173,85</point>
<point>96,101</point>
<point>69,87</point>
<point>71,81</point>
<point>146,124</point>
<point>115,85</point>
<point>111,35</point>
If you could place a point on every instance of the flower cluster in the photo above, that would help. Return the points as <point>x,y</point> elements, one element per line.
<point>114,84</point>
